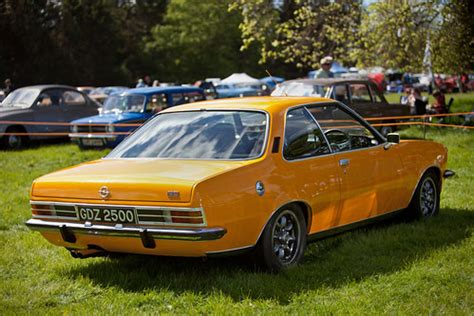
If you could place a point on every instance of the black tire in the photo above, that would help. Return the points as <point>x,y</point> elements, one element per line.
<point>283,240</point>
<point>425,201</point>
<point>14,142</point>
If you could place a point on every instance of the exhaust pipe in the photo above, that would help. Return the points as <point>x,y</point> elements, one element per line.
<point>93,251</point>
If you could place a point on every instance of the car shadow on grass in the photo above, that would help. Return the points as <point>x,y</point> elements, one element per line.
<point>376,250</point>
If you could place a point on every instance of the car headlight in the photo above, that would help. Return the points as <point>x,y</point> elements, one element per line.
<point>110,128</point>
<point>74,129</point>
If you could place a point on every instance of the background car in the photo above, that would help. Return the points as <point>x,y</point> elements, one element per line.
<point>360,95</point>
<point>101,93</point>
<point>42,104</point>
<point>133,106</point>
<point>226,176</point>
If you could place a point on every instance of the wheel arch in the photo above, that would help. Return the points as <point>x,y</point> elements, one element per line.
<point>303,205</point>
<point>433,168</point>
<point>19,127</point>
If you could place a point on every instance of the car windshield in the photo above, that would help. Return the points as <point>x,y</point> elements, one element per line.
<point>198,135</point>
<point>124,103</point>
<point>300,89</point>
<point>22,98</point>
<point>107,90</point>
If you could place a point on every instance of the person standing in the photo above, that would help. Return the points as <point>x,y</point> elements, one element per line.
<point>325,70</point>
<point>8,87</point>
<point>140,84</point>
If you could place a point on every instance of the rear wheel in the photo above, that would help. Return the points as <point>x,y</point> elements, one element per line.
<point>425,202</point>
<point>13,141</point>
<point>283,240</point>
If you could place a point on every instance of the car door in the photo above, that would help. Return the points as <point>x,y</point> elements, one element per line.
<point>371,175</point>
<point>49,109</point>
<point>311,167</point>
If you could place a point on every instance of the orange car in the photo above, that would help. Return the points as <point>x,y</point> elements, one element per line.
<point>224,176</point>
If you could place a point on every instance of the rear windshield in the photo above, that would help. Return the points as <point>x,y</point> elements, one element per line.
<point>198,135</point>
<point>300,89</point>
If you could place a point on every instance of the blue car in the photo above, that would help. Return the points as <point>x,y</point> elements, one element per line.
<point>238,91</point>
<point>133,107</point>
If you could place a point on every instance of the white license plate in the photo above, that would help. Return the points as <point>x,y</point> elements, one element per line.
<point>92,142</point>
<point>106,214</point>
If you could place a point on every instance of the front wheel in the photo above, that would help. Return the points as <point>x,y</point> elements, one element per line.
<point>283,240</point>
<point>425,202</point>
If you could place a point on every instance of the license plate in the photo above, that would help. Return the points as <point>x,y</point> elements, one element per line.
<point>92,142</point>
<point>106,214</point>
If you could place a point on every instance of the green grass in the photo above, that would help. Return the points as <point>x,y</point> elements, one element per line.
<point>422,267</point>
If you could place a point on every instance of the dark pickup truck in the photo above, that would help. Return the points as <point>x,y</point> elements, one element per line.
<point>361,95</point>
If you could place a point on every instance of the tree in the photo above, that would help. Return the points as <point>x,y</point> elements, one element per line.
<point>300,32</point>
<point>393,34</point>
<point>453,44</point>
<point>198,39</point>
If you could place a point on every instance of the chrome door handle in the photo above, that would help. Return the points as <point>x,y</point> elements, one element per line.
<point>344,162</point>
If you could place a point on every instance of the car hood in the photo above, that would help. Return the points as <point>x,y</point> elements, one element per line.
<point>111,118</point>
<point>130,179</point>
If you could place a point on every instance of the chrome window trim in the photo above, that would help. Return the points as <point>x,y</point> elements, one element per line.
<point>321,130</point>
<point>284,134</point>
<point>262,153</point>
<point>357,117</point>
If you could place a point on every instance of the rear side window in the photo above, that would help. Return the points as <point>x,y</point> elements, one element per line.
<point>360,93</point>
<point>73,98</point>
<point>303,138</point>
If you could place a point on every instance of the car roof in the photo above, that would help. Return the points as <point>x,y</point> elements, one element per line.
<point>267,103</point>
<point>169,89</point>
<point>49,86</point>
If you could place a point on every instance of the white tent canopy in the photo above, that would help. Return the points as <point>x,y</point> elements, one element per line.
<point>240,78</point>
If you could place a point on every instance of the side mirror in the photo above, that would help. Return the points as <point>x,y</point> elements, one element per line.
<point>393,138</point>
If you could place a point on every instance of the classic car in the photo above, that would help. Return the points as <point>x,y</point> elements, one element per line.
<point>225,176</point>
<point>45,104</point>
<point>133,106</point>
<point>360,95</point>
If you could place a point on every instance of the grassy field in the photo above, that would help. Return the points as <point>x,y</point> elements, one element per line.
<point>422,267</point>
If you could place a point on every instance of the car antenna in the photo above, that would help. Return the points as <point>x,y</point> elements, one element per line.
<point>274,81</point>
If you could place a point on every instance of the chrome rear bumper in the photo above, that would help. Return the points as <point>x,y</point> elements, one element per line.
<point>69,231</point>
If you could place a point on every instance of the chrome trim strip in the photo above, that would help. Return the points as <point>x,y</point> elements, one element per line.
<point>53,217</point>
<point>160,208</point>
<point>101,135</point>
<point>191,234</point>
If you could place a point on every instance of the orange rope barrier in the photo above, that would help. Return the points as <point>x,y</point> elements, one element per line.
<point>422,122</point>
<point>383,118</point>
<point>66,123</point>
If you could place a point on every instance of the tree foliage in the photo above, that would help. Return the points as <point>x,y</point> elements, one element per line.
<point>453,44</point>
<point>300,32</point>
<point>198,39</point>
